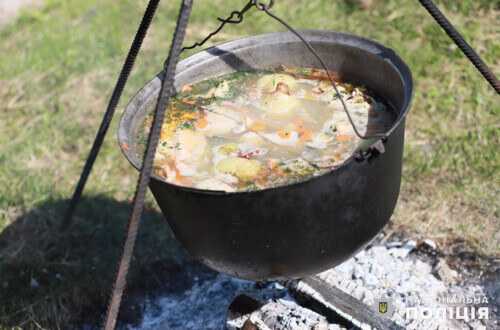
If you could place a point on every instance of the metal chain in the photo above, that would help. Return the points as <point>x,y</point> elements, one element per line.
<point>167,90</point>
<point>235,17</point>
<point>262,5</point>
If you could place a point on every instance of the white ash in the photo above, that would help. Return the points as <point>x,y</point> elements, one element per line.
<point>386,272</point>
<point>283,314</point>
<point>204,305</point>
<point>389,273</point>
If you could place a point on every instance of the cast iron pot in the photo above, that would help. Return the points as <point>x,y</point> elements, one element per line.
<point>299,229</point>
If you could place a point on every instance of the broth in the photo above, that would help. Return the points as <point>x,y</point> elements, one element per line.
<point>255,130</point>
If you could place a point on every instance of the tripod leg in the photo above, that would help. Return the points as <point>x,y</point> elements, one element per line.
<point>110,111</point>
<point>166,91</point>
<point>457,38</point>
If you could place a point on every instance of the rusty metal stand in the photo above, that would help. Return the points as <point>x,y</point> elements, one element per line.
<point>167,90</point>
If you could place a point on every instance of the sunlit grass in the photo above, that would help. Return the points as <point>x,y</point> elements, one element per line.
<point>59,64</point>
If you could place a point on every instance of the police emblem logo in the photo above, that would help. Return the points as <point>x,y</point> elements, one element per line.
<point>383,306</point>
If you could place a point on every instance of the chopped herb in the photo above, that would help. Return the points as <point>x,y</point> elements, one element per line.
<point>187,125</point>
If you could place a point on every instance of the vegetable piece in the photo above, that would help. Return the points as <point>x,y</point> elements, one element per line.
<point>270,82</point>
<point>244,169</point>
<point>297,167</point>
<point>280,105</point>
<point>283,138</point>
<point>282,88</point>
<point>257,126</point>
<point>228,149</point>
<point>202,122</point>
<point>344,138</point>
<point>304,133</point>
<point>187,88</point>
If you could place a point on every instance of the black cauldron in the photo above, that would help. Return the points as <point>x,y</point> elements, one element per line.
<point>299,229</point>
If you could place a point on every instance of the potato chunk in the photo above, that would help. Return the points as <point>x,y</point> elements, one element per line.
<point>269,83</point>
<point>244,169</point>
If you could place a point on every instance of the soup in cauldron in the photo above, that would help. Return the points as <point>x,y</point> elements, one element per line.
<point>255,130</point>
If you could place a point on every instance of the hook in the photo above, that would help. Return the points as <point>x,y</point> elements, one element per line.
<point>262,6</point>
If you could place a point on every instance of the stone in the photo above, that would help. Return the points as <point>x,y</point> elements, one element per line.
<point>377,270</point>
<point>322,325</point>
<point>496,295</point>
<point>359,293</point>
<point>370,280</point>
<point>392,279</point>
<point>401,253</point>
<point>430,243</point>
<point>421,267</point>
<point>358,272</point>
<point>411,244</point>
<point>378,251</point>
<point>476,325</point>
<point>347,268</point>
<point>361,255</point>
<point>287,315</point>
<point>34,283</point>
<point>248,325</point>
<point>394,244</point>
<point>445,273</point>
<point>335,327</point>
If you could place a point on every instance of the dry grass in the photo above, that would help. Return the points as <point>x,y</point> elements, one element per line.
<point>446,217</point>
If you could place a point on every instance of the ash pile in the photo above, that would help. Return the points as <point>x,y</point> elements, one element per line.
<point>386,286</point>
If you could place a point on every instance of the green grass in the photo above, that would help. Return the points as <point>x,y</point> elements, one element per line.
<point>58,67</point>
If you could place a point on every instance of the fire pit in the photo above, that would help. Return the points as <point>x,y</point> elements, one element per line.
<point>300,229</point>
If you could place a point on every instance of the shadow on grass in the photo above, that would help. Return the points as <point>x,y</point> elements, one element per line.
<point>58,280</point>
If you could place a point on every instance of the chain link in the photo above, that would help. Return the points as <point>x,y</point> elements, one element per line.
<point>236,17</point>
<point>261,5</point>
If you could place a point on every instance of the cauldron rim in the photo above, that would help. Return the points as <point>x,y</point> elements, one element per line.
<point>346,39</point>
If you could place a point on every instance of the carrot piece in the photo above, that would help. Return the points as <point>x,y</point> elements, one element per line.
<point>305,135</point>
<point>284,134</point>
<point>188,101</point>
<point>343,138</point>
<point>183,180</point>
<point>257,126</point>
<point>272,163</point>
<point>187,88</point>
<point>202,122</point>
